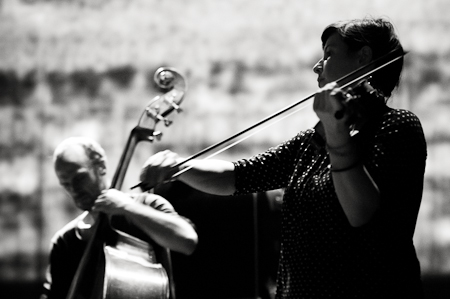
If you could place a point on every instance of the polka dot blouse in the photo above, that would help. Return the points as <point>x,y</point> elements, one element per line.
<point>322,255</point>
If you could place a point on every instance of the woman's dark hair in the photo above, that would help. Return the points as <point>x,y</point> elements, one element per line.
<point>379,35</point>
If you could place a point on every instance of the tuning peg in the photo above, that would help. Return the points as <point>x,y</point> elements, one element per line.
<point>157,135</point>
<point>167,122</point>
<point>170,97</point>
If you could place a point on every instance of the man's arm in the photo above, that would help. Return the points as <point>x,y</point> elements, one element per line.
<point>167,229</point>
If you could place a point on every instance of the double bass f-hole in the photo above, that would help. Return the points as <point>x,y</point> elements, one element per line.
<point>113,262</point>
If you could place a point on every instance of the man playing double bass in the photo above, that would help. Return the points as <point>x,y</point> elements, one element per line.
<point>80,165</point>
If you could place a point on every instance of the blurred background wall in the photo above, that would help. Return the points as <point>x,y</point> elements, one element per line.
<point>80,67</point>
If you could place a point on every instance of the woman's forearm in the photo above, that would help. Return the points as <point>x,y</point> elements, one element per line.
<point>210,176</point>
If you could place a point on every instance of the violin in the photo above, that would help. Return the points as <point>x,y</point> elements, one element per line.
<point>115,264</point>
<point>361,100</point>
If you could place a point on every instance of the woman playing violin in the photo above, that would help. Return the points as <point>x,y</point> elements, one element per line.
<point>350,201</point>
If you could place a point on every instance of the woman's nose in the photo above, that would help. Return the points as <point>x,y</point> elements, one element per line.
<point>318,67</point>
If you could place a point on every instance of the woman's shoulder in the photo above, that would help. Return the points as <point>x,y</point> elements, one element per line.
<point>401,125</point>
<point>396,116</point>
<point>396,120</point>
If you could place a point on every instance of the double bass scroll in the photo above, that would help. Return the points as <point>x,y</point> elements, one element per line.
<point>156,111</point>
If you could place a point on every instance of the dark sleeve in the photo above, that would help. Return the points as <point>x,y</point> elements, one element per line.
<point>271,169</point>
<point>65,255</point>
<point>396,162</point>
<point>399,146</point>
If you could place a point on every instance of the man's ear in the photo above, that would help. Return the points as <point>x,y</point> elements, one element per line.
<point>101,168</point>
<point>103,171</point>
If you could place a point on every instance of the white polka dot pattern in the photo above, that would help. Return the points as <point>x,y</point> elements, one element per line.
<point>322,256</point>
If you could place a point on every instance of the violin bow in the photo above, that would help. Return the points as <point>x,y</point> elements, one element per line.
<point>343,82</point>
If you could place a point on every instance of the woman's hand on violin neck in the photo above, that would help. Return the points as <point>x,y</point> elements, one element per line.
<point>327,102</point>
<point>159,168</point>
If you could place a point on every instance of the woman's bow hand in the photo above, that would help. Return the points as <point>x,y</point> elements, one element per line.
<point>158,168</point>
<point>328,105</point>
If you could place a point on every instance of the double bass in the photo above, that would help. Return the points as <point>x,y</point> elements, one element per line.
<point>116,264</point>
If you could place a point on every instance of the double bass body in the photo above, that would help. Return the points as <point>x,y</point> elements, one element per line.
<point>131,270</point>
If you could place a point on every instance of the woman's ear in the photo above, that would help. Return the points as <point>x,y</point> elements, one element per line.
<point>365,55</point>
